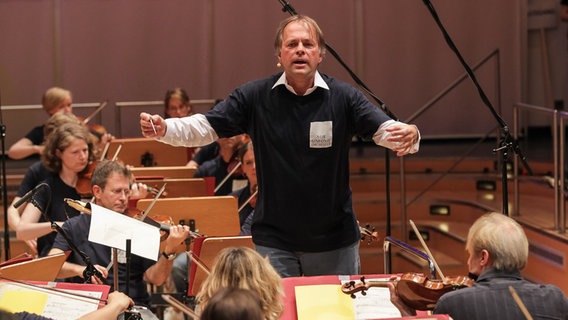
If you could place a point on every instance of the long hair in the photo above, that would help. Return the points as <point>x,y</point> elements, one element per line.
<point>242,267</point>
<point>503,238</point>
<point>60,139</point>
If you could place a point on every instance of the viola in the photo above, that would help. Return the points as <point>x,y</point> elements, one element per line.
<point>414,289</point>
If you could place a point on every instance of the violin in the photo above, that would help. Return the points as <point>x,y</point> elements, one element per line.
<point>414,289</point>
<point>161,221</point>
<point>96,130</point>
<point>368,233</point>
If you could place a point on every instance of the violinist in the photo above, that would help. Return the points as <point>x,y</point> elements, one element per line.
<point>35,174</point>
<point>177,104</point>
<point>220,166</point>
<point>111,189</point>
<point>54,100</point>
<point>498,250</point>
<point>67,153</point>
<point>246,201</point>
<point>246,197</point>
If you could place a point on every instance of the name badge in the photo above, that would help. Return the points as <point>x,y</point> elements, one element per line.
<point>321,134</point>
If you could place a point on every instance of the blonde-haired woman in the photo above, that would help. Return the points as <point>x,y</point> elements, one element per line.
<point>54,100</point>
<point>242,267</point>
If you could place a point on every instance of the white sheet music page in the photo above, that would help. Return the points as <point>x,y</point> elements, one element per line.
<point>112,229</point>
<point>375,304</point>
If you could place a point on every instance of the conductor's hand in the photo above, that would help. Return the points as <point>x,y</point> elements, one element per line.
<point>152,126</point>
<point>404,309</point>
<point>404,137</point>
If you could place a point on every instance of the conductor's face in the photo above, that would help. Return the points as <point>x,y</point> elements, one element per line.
<point>115,194</point>
<point>300,53</point>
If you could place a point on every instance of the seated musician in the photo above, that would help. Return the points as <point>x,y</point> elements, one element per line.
<point>67,154</point>
<point>246,197</point>
<point>54,100</point>
<point>245,203</point>
<point>35,174</point>
<point>498,249</point>
<point>111,188</point>
<point>220,166</point>
<point>244,268</point>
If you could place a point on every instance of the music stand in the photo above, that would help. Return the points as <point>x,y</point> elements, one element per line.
<point>41,269</point>
<point>206,249</point>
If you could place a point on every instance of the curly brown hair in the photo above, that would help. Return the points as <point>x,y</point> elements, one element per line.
<point>60,139</point>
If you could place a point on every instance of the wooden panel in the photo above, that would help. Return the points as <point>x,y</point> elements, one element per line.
<point>175,188</point>
<point>207,250</point>
<point>164,172</point>
<point>213,216</point>
<point>139,151</point>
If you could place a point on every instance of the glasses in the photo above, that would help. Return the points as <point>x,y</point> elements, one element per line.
<point>119,192</point>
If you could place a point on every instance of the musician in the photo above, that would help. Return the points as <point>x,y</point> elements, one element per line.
<point>177,104</point>
<point>54,100</point>
<point>35,174</point>
<point>245,199</point>
<point>498,249</point>
<point>220,166</point>
<point>233,304</point>
<point>67,153</point>
<point>244,268</point>
<point>245,155</point>
<point>301,124</point>
<point>111,188</point>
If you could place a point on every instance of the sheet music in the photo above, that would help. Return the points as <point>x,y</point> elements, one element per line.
<point>16,297</point>
<point>375,304</point>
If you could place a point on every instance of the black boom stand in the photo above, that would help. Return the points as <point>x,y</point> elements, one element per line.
<point>506,141</point>
<point>4,186</point>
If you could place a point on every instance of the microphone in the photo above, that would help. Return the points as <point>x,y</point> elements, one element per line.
<point>30,194</point>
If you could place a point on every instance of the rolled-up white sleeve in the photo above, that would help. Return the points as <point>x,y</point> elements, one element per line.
<point>193,131</point>
<point>380,137</point>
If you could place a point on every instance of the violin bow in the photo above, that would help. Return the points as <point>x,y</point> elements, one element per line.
<point>419,235</point>
<point>105,151</point>
<point>99,108</point>
<point>249,199</point>
<point>117,151</point>
<point>200,264</point>
<point>520,303</point>
<point>227,176</point>
<point>180,306</point>
<point>54,290</point>
<point>153,202</point>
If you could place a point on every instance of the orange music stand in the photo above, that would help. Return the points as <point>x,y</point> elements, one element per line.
<point>206,249</point>
<point>40,269</point>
